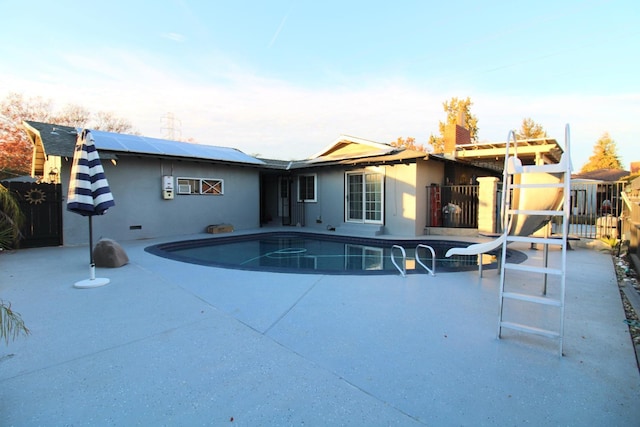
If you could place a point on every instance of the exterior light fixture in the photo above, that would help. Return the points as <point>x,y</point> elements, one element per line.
<point>53,175</point>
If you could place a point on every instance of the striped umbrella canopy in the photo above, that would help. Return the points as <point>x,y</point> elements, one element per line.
<point>89,193</point>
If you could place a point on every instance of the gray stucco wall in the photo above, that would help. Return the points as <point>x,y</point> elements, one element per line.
<point>405,198</point>
<point>141,212</point>
<point>330,205</point>
<point>400,200</point>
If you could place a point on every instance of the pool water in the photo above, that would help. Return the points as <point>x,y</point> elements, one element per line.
<point>318,253</point>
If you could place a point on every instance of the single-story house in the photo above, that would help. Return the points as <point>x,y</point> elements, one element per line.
<point>353,185</point>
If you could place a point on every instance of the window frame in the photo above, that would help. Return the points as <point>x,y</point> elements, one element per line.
<point>300,186</point>
<point>200,186</point>
<point>366,201</point>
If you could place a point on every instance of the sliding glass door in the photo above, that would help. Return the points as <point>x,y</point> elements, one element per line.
<point>365,197</point>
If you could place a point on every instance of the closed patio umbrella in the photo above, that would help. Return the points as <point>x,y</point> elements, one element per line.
<point>89,194</point>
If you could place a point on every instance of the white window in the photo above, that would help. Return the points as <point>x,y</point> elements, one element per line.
<point>364,192</point>
<point>207,186</point>
<point>307,188</point>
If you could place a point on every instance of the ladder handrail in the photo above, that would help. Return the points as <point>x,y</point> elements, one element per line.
<point>402,270</point>
<point>431,270</point>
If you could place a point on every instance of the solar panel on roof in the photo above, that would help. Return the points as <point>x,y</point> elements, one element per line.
<point>145,145</point>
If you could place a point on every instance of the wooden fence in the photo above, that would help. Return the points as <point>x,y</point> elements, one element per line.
<point>453,206</point>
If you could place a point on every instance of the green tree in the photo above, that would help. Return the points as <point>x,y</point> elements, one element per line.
<point>605,155</point>
<point>454,108</point>
<point>530,130</point>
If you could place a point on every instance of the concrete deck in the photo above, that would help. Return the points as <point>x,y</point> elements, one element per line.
<point>167,343</point>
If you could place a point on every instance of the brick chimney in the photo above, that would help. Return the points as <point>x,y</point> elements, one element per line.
<point>455,134</point>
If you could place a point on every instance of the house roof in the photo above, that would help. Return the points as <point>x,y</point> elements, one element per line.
<point>608,175</point>
<point>51,139</point>
<point>56,140</point>
<point>399,155</point>
<point>349,150</point>
<point>60,141</point>
<point>282,164</point>
<point>346,146</point>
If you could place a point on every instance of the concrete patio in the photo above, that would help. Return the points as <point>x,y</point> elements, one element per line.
<point>167,343</point>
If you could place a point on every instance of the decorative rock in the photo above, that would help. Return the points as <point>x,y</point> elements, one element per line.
<point>108,253</point>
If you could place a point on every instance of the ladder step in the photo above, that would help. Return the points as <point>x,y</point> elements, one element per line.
<point>549,185</point>
<point>529,329</point>
<point>540,240</point>
<point>548,168</point>
<point>531,269</point>
<point>532,298</point>
<point>535,212</point>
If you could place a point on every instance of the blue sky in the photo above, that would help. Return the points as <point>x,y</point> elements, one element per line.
<point>285,78</point>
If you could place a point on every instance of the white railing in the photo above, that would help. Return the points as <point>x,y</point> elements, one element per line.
<point>403,269</point>
<point>432,270</point>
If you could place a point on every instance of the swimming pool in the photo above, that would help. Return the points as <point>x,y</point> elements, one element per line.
<point>300,252</point>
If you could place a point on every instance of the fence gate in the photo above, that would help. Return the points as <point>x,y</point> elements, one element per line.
<point>595,209</point>
<point>42,208</point>
<point>454,206</point>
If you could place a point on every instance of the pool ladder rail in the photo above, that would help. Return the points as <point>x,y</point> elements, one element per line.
<point>403,269</point>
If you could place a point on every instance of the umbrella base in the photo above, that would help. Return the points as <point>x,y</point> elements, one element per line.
<point>91,283</point>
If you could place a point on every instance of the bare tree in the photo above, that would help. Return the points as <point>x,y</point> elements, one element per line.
<point>108,121</point>
<point>72,115</point>
<point>16,148</point>
<point>18,108</point>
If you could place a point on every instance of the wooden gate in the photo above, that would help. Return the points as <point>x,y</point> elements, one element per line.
<point>42,208</point>
<point>454,206</point>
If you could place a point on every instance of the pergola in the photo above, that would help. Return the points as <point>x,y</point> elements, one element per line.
<point>535,151</point>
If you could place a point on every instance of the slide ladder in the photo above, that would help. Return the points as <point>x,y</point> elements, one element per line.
<point>532,196</point>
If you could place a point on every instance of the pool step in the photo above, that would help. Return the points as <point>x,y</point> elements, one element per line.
<point>363,230</point>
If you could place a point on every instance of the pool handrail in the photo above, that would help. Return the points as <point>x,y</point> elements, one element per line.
<point>403,270</point>
<point>432,270</point>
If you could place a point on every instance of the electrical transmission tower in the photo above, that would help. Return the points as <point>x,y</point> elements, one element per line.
<point>170,127</point>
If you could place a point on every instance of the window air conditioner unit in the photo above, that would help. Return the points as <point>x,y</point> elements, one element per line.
<point>184,189</point>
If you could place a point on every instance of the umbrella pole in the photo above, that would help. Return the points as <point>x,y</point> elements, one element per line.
<point>91,282</point>
<point>92,266</point>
